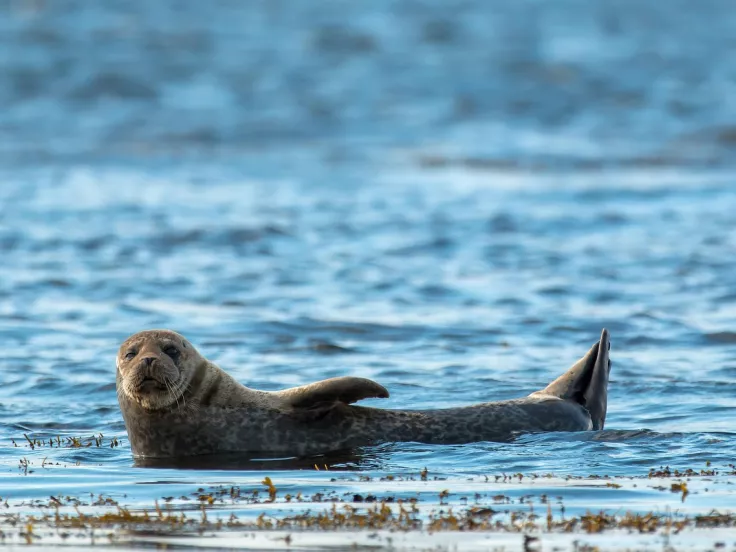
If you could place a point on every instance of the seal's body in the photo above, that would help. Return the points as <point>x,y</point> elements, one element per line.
<point>176,403</point>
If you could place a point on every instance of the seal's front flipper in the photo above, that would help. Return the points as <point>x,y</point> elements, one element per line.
<point>323,395</point>
<point>586,382</point>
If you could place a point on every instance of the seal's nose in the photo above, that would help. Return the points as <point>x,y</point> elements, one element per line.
<point>149,360</point>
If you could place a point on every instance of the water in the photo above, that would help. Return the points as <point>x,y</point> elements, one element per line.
<point>451,199</point>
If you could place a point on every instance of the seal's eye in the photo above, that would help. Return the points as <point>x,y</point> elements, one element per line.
<point>130,354</point>
<point>172,351</point>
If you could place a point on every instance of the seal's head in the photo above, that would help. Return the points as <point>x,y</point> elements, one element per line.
<point>155,368</point>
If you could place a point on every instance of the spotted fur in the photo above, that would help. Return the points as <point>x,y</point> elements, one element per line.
<point>205,411</point>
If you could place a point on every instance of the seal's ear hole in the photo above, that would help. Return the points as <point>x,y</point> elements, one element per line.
<point>184,344</point>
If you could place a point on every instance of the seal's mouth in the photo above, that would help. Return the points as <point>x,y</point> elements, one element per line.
<point>150,385</point>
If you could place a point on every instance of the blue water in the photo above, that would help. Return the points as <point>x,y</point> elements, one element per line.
<point>449,198</point>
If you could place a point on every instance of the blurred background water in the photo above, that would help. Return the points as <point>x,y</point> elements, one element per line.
<point>452,198</point>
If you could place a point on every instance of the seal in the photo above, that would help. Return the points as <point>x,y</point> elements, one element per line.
<point>176,403</point>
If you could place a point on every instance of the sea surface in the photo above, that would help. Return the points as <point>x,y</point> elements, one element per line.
<point>450,198</point>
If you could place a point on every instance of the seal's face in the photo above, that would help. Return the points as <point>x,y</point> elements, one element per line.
<point>153,367</point>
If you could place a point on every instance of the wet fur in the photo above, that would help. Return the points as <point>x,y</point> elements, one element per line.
<point>205,411</point>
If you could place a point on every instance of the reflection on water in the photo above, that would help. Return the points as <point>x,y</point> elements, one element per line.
<point>358,459</point>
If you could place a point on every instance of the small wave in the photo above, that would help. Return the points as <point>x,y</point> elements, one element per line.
<point>328,348</point>
<point>113,85</point>
<point>226,237</point>
<point>720,338</point>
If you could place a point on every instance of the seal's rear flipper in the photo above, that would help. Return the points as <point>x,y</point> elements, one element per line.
<point>586,382</point>
<point>325,394</point>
